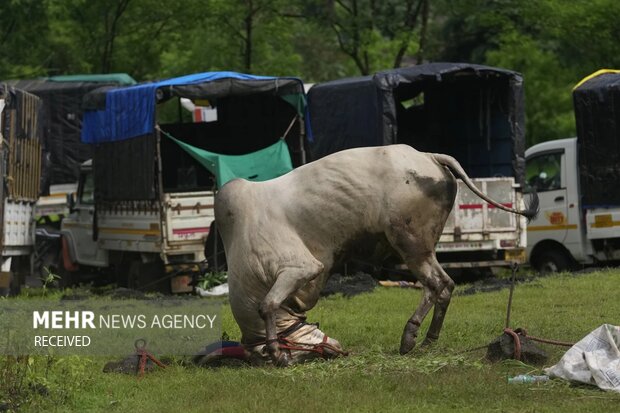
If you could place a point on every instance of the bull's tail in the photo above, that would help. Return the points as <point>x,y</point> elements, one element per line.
<point>455,167</point>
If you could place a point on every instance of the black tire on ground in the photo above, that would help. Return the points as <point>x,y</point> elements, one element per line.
<point>553,260</point>
<point>67,279</point>
<point>148,277</point>
<point>16,285</point>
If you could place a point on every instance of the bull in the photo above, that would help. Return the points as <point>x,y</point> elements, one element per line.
<point>282,237</point>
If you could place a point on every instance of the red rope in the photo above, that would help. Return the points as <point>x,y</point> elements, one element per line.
<point>286,344</point>
<point>515,338</point>
<point>523,333</point>
<point>144,355</point>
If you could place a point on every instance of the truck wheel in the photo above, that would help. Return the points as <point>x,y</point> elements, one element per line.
<point>67,279</point>
<point>148,277</point>
<point>16,285</point>
<point>552,261</point>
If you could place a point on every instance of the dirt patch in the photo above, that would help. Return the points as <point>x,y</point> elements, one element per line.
<point>349,285</point>
<point>493,284</point>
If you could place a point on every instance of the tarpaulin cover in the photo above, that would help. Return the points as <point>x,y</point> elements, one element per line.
<point>129,172</point>
<point>130,111</point>
<point>472,112</point>
<point>62,121</point>
<point>597,115</point>
<point>267,163</point>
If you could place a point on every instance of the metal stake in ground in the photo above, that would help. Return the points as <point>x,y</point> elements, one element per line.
<point>515,269</point>
<point>512,345</point>
<point>143,355</point>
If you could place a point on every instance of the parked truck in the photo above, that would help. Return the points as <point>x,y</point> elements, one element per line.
<point>63,152</point>
<point>474,113</point>
<point>577,183</point>
<point>20,167</point>
<point>144,204</point>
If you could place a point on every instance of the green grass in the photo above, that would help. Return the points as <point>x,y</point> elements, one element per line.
<point>447,377</point>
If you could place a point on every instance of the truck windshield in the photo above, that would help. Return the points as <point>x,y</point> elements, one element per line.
<point>543,172</point>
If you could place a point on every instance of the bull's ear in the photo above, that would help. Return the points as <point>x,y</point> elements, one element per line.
<point>532,207</point>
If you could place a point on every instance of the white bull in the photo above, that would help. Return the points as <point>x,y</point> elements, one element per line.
<point>283,236</point>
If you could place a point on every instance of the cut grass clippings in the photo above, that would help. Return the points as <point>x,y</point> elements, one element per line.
<point>450,376</point>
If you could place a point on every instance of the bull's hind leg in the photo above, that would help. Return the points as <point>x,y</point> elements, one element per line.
<point>417,250</point>
<point>290,278</point>
<point>441,306</point>
<point>434,286</point>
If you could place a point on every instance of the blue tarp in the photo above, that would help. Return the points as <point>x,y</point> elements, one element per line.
<point>130,111</point>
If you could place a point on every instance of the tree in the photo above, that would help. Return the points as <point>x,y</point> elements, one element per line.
<point>23,38</point>
<point>374,34</point>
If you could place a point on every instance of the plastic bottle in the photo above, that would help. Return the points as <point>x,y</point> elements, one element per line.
<point>526,378</point>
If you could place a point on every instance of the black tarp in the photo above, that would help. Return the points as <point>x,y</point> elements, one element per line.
<point>472,112</point>
<point>597,115</point>
<point>129,172</point>
<point>251,114</point>
<point>62,121</point>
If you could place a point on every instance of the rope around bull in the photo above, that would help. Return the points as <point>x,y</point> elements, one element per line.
<point>286,344</point>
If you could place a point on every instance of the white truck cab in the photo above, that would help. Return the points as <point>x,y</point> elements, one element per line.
<point>566,232</point>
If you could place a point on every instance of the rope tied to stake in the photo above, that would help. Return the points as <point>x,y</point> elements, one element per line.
<point>521,332</point>
<point>140,345</point>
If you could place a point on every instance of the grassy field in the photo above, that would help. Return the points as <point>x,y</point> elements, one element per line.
<point>449,376</point>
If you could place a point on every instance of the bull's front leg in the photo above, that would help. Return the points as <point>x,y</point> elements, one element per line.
<point>289,279</point>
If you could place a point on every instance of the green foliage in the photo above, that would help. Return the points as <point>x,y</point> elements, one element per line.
<point>35,381</point>
<point>48,279</point>
<point>548,86</point>
<point>554,43</point>
<point>213,279</point>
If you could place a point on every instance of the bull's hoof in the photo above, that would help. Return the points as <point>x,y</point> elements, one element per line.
<point>282,359</point>
<point>410,335</point>
<point>407,343</point>
<point>429,340</point>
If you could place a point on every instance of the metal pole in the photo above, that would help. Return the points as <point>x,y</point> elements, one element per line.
<point>515,268</point>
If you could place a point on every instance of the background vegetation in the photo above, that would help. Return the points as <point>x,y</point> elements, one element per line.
<point>554,43</point>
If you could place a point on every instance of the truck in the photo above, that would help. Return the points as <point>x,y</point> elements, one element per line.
<point>144,204</point>
<point>20,164</point>
<point>576,180</point>
<point>474,113</point>
<point>63,152</point>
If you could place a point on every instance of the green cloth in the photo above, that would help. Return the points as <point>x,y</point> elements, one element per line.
<point>262,165</point>
<point>118,78</point>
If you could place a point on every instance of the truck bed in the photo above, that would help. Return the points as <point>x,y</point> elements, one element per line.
<point>477,230</point>
<point>182,229</point>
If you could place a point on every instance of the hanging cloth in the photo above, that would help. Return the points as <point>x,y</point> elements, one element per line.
<point>262,165</point>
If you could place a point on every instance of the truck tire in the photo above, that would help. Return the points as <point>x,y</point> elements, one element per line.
<point>67,279</point>
<point>148,277</point>
<point>551,261</point>
<point>16,285</point>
